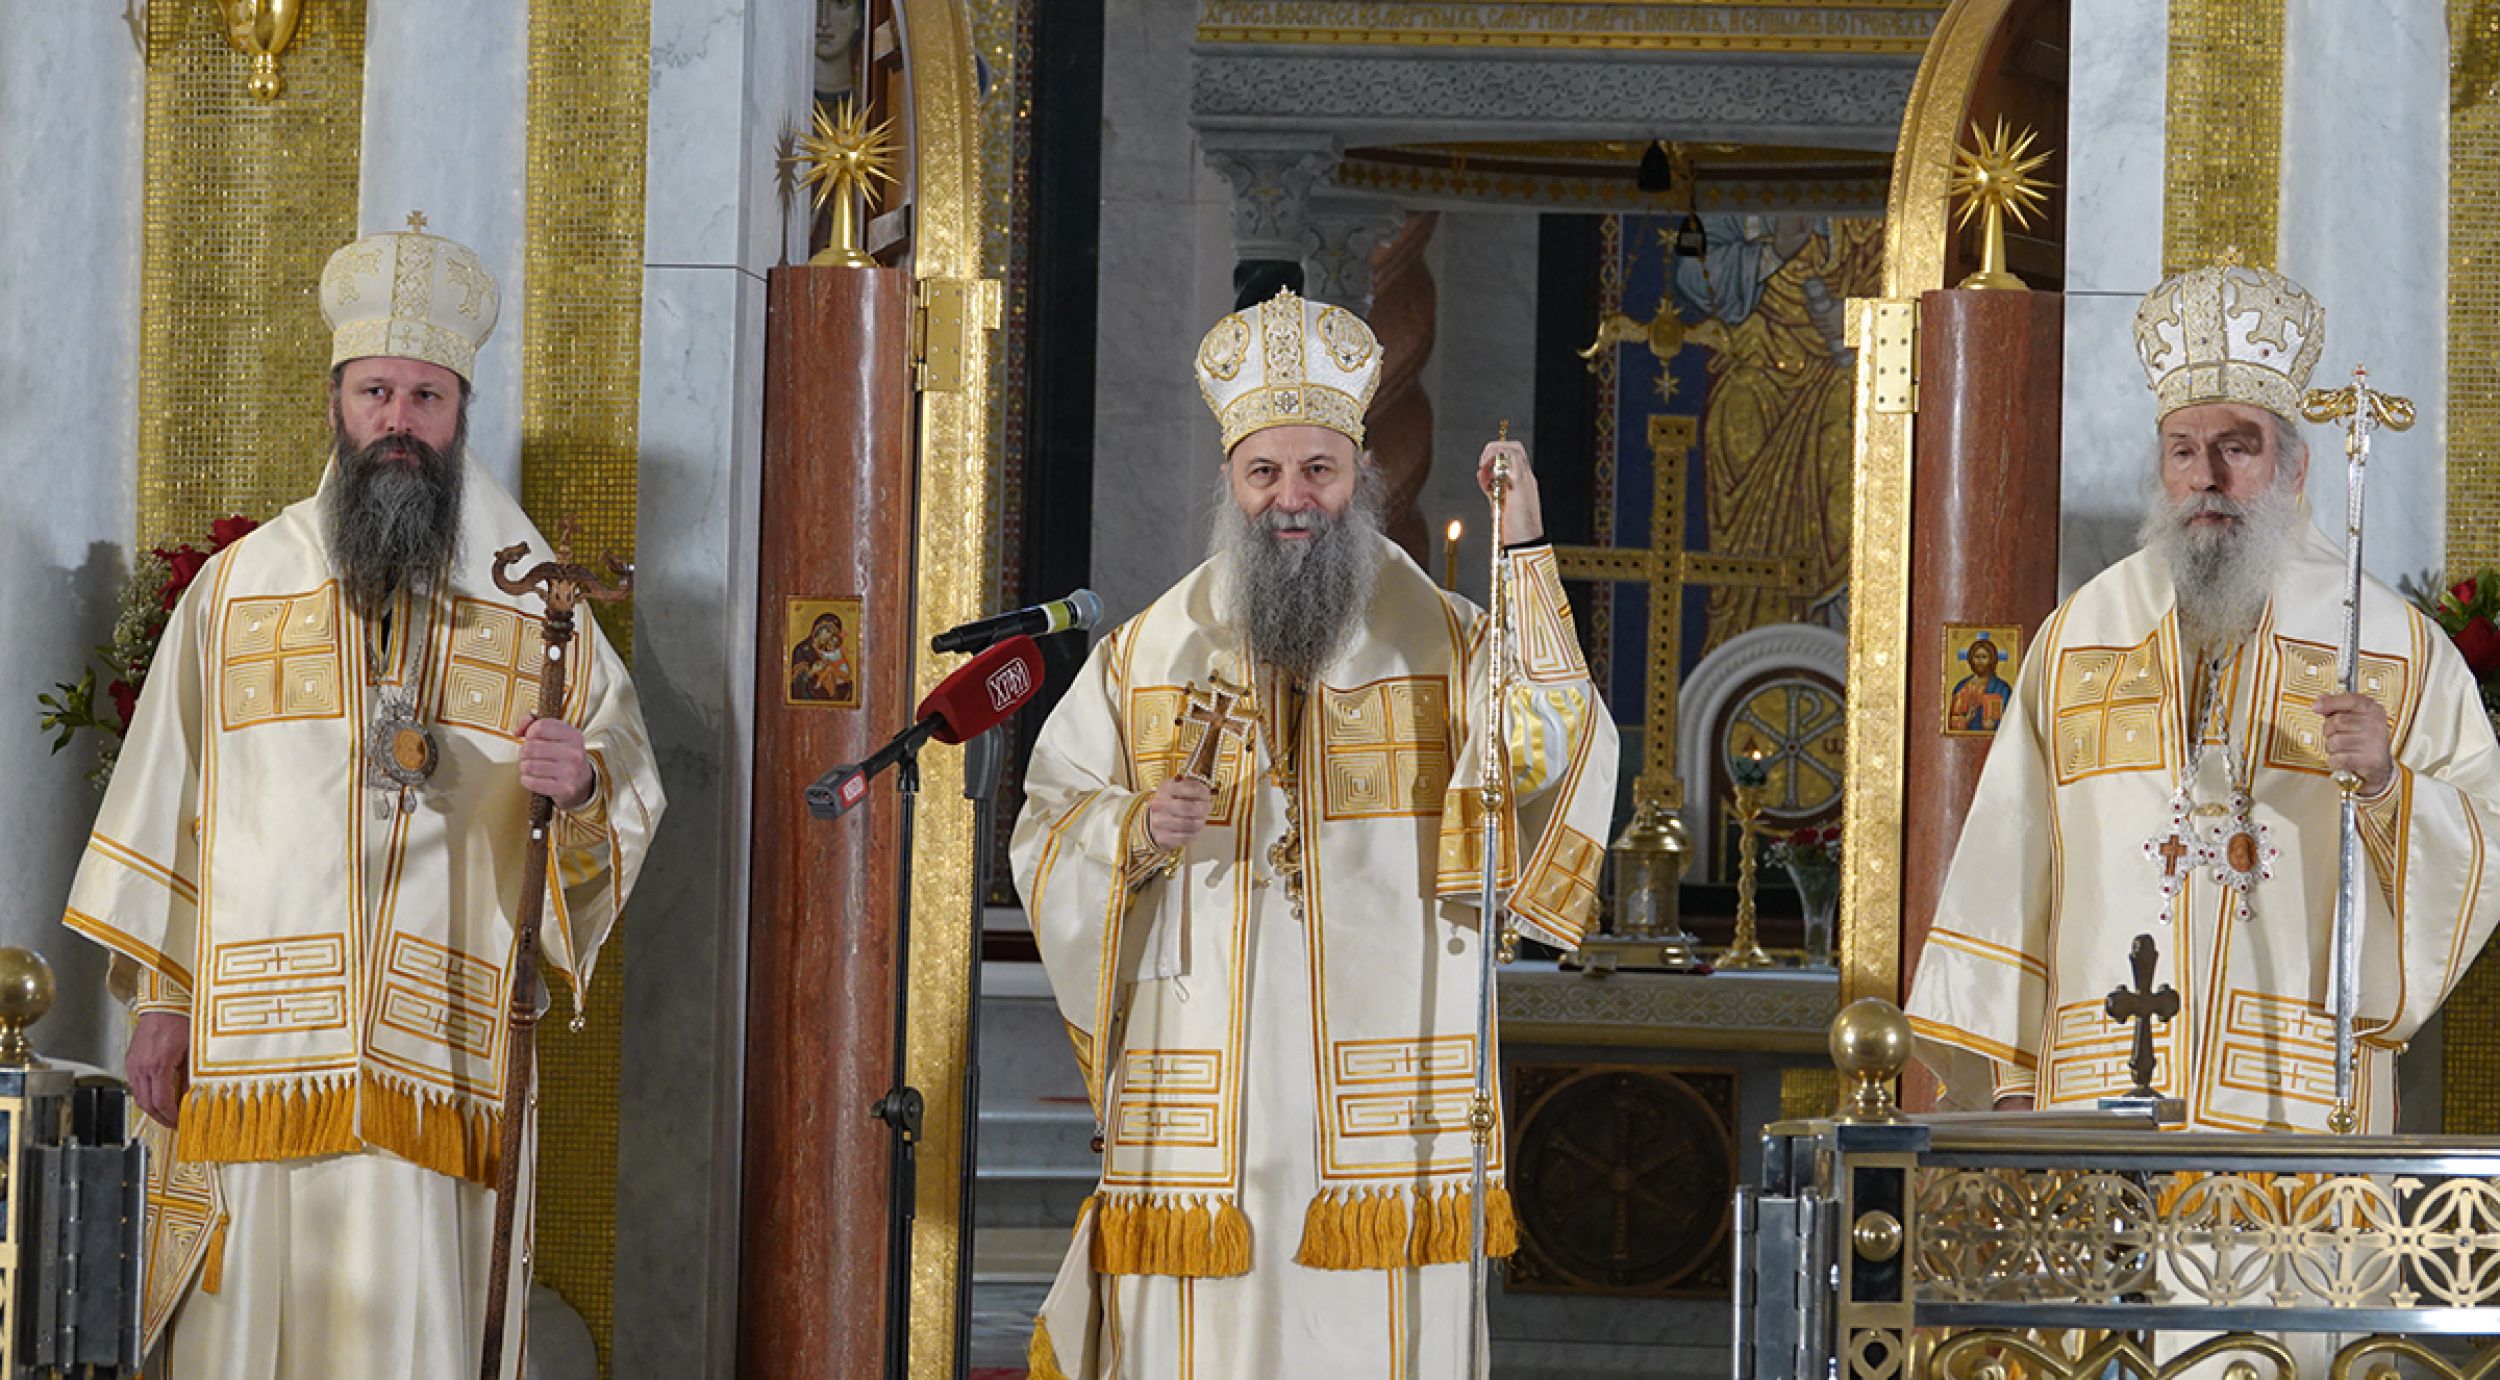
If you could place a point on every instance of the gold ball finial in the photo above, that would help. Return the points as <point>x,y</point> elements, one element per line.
<point>844,158</point>
<point>1870,1045</point>
<point>25,995</point>
<point>1994,179</point>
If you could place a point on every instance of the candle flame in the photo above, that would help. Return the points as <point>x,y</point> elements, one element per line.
<point>1456,527</point>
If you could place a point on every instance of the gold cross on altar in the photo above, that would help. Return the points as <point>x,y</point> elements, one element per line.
<point>1667,568</point>
<point>1221,714</point>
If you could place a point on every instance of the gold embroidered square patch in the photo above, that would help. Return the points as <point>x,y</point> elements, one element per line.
<point>2295,740</point>
<point>441,996</point>
<point>1170,1097</point>
<point>497,657</point>
<point>2110,708</point>
<point>1385,748</point>
<point>279,659</point>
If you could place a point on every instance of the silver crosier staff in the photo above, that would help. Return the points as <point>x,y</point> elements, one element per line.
<point>1496,938</point>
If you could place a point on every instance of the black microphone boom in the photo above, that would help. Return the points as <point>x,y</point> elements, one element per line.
<point>833,794</point>
<point>1077,612</point>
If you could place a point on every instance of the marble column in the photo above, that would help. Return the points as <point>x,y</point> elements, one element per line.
<point>1338,236</point>
<point>451,141</point>
<point>1272,176</point>
<point>2364,228</point>
<point>2117,55</point>
<point>73,102</point>
<point>727,78</point>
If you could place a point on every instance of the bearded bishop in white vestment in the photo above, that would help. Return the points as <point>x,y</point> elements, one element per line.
<point>2163,770</point>
<point>1276,1022</point>
<point>343,948</point>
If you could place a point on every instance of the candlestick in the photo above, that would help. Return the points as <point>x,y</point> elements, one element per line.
<point>1449,554</point>
<point>1745,948</point>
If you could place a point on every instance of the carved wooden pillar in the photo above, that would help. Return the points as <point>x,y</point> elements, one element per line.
<point>836,526</point>
<point>1983,551</point>
<point>1405,314</point>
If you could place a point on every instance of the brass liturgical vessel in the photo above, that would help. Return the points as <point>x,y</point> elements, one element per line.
<point>845,158</point>
<point>1994,181</point>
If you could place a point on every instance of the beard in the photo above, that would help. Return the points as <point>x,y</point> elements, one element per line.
<point>1299,601</point>
<point>2222,575</point>
<point>393,515</point>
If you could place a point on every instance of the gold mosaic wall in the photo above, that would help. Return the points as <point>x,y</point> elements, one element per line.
<point>581,357</point>
<point>2220,185</point>
<point>245,201</point>
<point>2471,1059</point>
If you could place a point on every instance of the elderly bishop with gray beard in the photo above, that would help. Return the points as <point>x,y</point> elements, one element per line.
<point>310,861</point>
<point>2167,767</point>
<point>1270,975</point>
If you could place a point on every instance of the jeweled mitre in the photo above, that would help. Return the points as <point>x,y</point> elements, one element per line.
<point>2229,334</point>
<point>1287,362</point>
<point>409,294</point>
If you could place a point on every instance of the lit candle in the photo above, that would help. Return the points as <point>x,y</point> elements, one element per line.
<point>1449,554</point>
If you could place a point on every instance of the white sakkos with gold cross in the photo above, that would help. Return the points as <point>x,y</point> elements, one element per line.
<point>1284,1087</point>
<point>347,974</point>
<point>2054,875</point>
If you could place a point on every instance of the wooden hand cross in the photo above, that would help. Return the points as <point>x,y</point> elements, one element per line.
<point>563,586</point>
<point>2142,1005</point>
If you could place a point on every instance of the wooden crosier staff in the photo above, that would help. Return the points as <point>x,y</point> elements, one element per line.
<point>1495,936</point>
<point>562,586</point>
<point>2362,409</point>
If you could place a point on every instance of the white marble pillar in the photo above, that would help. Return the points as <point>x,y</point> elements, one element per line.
<point>72,103</point>
<point>1167,274</point>
<point>727,78</point>
<point>2364,228</point>
<point>2117,55</point>
<point>450,138</point>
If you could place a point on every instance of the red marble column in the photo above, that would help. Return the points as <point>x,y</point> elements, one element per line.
<point>836,507</point>
<point>1983,550</point>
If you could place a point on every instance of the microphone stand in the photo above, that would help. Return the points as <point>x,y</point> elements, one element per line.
<point>984,759</point>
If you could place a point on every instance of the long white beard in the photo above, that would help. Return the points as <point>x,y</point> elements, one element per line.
<point>2222,575</point>
<point>1299,601</point>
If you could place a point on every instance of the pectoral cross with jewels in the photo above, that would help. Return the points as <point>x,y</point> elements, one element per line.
<point>2142,1005</point>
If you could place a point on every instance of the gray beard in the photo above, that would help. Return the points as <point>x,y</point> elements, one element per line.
<point>1299,601</point>
<point>2222,577</point>
<point>393,525</point>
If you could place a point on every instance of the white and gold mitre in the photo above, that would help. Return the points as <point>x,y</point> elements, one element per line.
<point>409,294</point>
<point>1287,362</point>
<point>2229,334</point>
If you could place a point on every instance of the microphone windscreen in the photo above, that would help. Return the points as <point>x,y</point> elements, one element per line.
<point>982,692</point>
<point>1088,610</point>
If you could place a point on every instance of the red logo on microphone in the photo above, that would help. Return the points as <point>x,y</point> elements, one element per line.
<point>1009,684</point>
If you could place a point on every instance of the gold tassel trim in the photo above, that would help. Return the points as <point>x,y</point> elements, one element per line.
<point>1388,1228</point>
<point>213,1268</point>
<point>228,1124</point>
<point>1193,1236</point>
<point>1041,1359</point>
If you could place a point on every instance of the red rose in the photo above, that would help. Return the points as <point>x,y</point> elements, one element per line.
<point>1801,838</point>
<point>183,566</point>
<point>2462,591</point>
<point>125,701</point>
<point>226,531</point>
<point>2480,642</point>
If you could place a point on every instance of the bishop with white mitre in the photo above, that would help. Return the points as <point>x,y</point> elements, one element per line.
<point>1271,976</point>
<point>2167,767</point>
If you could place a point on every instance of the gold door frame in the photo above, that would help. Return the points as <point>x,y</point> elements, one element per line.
<point>1879,535</point>
<point>949,583</point>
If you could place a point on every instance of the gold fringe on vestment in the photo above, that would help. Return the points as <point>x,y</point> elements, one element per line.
<point>1192,1236</point>
<point>229,1125</point>
<point>213,1265</point>
<point>1041,1359</point>
<point>1387,1228</point>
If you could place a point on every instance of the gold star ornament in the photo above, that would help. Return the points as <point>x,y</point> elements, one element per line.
<point>1993,181</point>
<point>845,157</point>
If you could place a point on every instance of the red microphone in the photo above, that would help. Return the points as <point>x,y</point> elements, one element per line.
<point>975,698</point>
<point>982,692</point>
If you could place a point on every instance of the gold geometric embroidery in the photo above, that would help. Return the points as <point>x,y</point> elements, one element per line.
<point>441,996</point>
<point>2279,1046</point>
<point>1427,1084</point>
<point>1566,887</point>
<point>2306,670</point>
<point>2088,1054</point>
<point>1158,746</point>
<point>2108,703</point>
<point>280,659</point>
<point>1385,748</point>
<point>271,986</point>
<point>1170,1097</point>
<point>279,960</point>
<point>497,655</point>
<point>274,1013</point>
